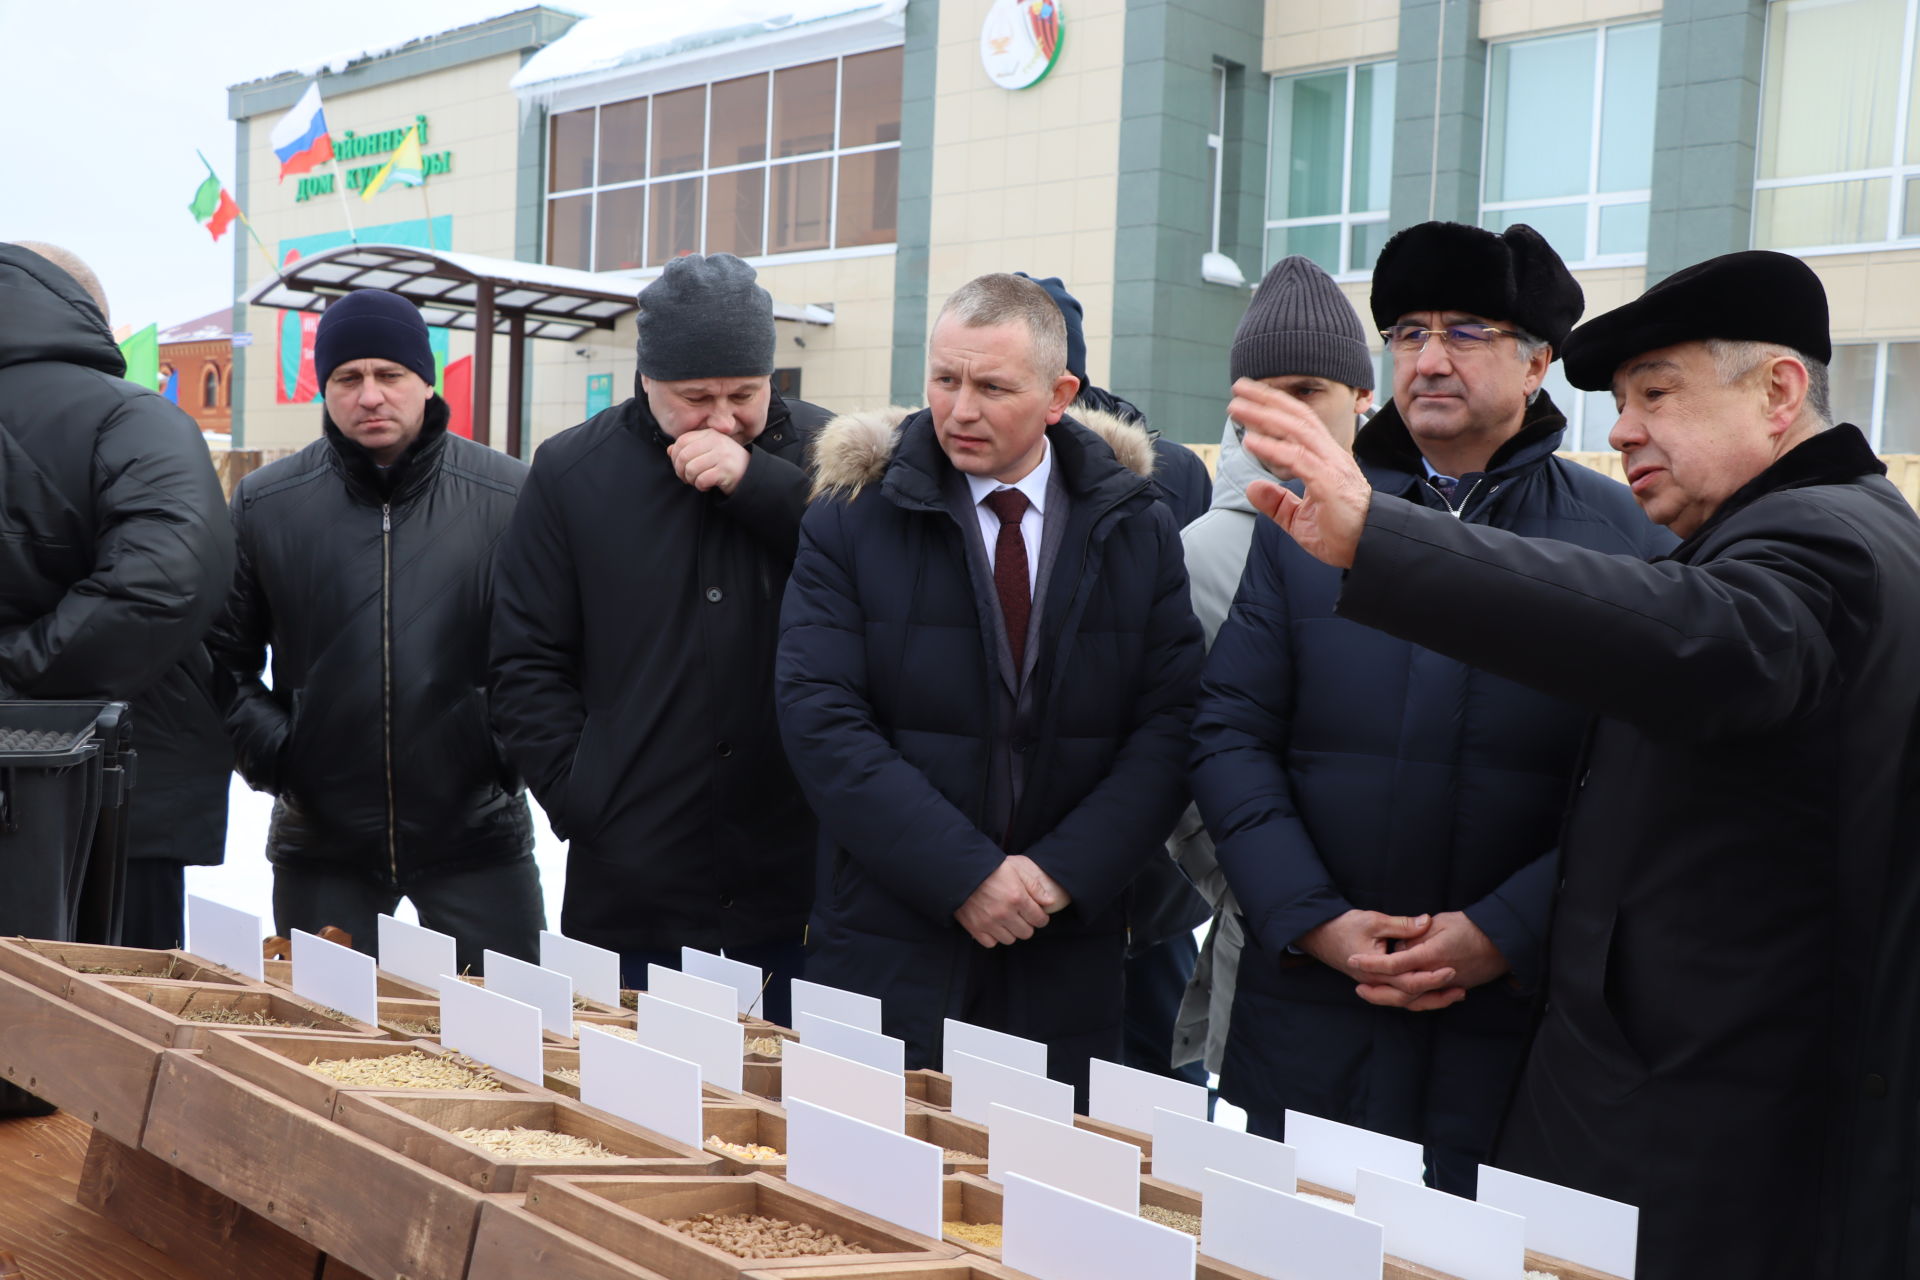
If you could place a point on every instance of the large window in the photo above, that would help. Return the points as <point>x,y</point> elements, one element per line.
<point>1839,157</point>
<point>1332,140</point>
<point>1876,386</point>
<point>1570,140</point>
<point>800,159</point>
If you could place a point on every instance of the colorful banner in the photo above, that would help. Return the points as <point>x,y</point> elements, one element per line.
<point>296,382</point>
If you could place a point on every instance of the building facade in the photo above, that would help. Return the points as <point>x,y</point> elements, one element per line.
<point>870,159</point>
<point>196,362</point>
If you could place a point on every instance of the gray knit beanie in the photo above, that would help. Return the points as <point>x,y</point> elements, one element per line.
<point>705,318</point>
<point>1300,323</point>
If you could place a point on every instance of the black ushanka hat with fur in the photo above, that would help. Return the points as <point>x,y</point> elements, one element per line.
<point>1756,295</point>
<point>1513,277</point>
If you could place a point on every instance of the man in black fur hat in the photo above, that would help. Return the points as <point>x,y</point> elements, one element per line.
<point>1730,1037</point>
<point>1366,794</point>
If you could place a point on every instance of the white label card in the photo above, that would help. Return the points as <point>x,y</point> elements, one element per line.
<point>1332,1154</point>
<point>840,1084</point>
<point>226,936</point>
<point>831,1002</point>
<point>887,1174</point>
<point>491,1028</point>
<point>549,992</point>
<point>715,999</point>
<point>641,1085</point>
<point>1567,1224</point>
<point>595,970</point>
<point>1052,1234</point>
<point>1441,1231</point>
<point>1127,1096</point>
<point>717,1044</point>
<point>335,976</point>
<point>1104,1170</point>
<point>746,979</point>
<point>979,1084</point>
<point>415,953</point>
<point>1017,1052</point>
<point>1185,1148</point>
<point>841,1040</point>
<point>1282,1237</point>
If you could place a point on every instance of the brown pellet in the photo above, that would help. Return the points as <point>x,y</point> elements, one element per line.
<point>752,1235</point>
<point>411,1070</point>
<point>520,1143</point>
<point>1187,1222</point>
<point>984,1234</point>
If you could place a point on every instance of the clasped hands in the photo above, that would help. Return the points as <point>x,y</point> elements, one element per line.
<point>1010,904</point>
<point>1439,957</point>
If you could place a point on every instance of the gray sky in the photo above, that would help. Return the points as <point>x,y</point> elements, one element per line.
<point>102,103</point>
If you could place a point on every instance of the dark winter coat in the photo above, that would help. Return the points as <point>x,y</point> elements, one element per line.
<point>115,553</point>
<point>1179,476</point>
<point>372,590</point>
<point>1730,1038</point>
<point>633,682</point>
<point>1340,768</point>
<point>890,697</point>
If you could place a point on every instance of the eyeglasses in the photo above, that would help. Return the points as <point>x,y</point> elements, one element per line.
<point>1457,338</point>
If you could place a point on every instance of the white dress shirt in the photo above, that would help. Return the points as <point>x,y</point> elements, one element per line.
<point>1034,485</point>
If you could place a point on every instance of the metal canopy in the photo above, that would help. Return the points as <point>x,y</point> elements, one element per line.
<point>520,300</point>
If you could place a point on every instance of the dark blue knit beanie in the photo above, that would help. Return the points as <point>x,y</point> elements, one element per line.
<point>1070,311</point>
<point>372,324</point>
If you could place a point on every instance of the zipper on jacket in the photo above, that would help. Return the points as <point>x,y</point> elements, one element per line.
<point>386,677</point>
<point>1461,510</point>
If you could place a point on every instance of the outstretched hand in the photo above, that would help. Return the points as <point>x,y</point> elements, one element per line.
<point>1285,436</point>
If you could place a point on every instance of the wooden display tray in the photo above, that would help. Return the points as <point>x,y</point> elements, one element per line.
<point>627,1216</point>
<point>349,1197</point>
<point>420,1127</point>
<point>513,1244</point>
<point>758,1125</point>
<point>278,1063</point>
<point>392,1011</point>
<point>152,1010</point>
<point>1120,1133</point>
<point>77,1060</point>
<point>930,1089</point>
<point>387,986</point>
<point>951,1133</point>
<point>972,1267</point>
<point>52,966</point>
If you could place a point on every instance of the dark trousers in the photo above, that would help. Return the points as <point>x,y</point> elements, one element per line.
<point>1448,1168</point>
<point>155,914</point>
<point>779,963</point>
<point>1156,981</point>
<point>492,908</point>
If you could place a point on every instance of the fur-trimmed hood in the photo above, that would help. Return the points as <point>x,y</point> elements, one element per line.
<point>854,449</point>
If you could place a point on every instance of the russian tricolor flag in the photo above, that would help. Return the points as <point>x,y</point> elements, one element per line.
<point>300,139</point>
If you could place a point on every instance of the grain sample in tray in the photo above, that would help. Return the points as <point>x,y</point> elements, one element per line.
<point>283,1065</point>
<point>629,1217</point>
<point>427,1128</point>
<point>962,1143</point>
<point>187,1015</point>
<point>745,1127</point>
<point>57,966</point>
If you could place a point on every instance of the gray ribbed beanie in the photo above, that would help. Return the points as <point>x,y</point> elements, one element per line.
<point>705,318</point>
<point>1300,323</point>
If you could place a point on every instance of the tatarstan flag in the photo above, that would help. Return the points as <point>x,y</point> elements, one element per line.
<point>213,208</point>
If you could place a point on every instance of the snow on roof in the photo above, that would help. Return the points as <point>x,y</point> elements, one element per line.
<point>662,28</point>
<point>207,328</point>
<point>334,64</point>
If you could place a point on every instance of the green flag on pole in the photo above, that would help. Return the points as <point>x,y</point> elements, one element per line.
<point>142,353</point>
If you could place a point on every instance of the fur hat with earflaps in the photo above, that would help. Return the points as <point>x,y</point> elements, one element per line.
<point>1514,277</point>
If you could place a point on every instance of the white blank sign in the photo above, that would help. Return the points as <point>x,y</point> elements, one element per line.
<point>417,954</point>
<point>491,1028</point>
<point>994,1046</point>
<point>226,936</point>
<point>1104,1170</point>
<point>840,1084</point>
<point>335,976</point>
<point>717,1044</point>
<point>882,1052</point>
<point>1127,1096</point>
<point>716,999</point>
<point>641,1085</point>
<point>595,970</point>
<point>979,1084</point>
<point>1185,1148</point>
<point>1441,1231</point>
<point>887,1174</point>
<point>1565,1223</point>
<point>849,1007</point>
<point>1283,1237</point>
<point>549,992</point>
<point>746,979</point>
<point>1052,1234</point>
<point>1332,1154</point>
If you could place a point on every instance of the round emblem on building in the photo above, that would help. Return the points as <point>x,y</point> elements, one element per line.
<point>1020,41</point>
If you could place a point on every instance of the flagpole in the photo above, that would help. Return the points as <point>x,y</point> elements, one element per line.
<point>247,223</point>
<point>340,185</point>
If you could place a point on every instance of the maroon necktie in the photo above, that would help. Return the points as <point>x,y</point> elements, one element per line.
<point>1010,569</point>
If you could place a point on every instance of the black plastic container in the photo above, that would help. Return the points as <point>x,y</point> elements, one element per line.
<point>66,769</point>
